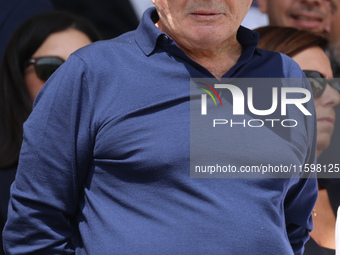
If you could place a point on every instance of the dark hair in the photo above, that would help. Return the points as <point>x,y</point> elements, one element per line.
<point>287,40</point>
<point>15,102</point>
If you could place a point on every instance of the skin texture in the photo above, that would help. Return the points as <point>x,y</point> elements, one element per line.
<point>335,28</point>
<point>312,15</point>
<point>334,38</point>
<point>325,104</point>
<point>60,44</point>
<point>205,29</point>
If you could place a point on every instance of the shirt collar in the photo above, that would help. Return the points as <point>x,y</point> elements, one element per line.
<point>249,40</point>
<point>147,35</point>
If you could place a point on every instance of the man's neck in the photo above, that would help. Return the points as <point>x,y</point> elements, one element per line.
<point>217,60</point>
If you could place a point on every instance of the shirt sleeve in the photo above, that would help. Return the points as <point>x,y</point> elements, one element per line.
<point>54,159</point>
<point>299,204</point>
<point>302,195</point>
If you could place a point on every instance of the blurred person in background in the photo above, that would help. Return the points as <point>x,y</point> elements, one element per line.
<point>312,15</point>
<point>112,18</point>
<point>320,17</point>
<point>36,49</point>
<point>14,12</point>
<point>334,43</point>
<point>308,50</point>
<point>331,154</point>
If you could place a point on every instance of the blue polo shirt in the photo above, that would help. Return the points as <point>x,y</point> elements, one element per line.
<point>104,166</point>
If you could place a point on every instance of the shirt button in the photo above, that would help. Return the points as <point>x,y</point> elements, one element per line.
<point>165,39</point>
<point>196,66</point>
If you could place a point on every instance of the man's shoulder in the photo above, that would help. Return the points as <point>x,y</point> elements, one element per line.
<point>276,60</point>
<point>125,42</point>
<point>273,54</point>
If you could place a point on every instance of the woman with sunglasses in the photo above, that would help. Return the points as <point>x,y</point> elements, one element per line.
<point>36,49</point>
<point>308,51</point>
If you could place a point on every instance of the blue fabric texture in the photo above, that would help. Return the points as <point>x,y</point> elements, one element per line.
<point>104,166</point>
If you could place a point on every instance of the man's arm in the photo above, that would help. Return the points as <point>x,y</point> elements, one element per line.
<point>299,204</point>
<point>301,197</point>
<point>53,162</point>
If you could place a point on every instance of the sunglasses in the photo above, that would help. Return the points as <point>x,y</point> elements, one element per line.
<point>318,82</point>
<point>45,66</point>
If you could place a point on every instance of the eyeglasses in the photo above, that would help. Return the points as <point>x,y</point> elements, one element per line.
<point>318,82</point>
<point>45,66</point>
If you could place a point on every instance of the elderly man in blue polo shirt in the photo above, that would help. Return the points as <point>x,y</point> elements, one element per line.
<point>105,162</point>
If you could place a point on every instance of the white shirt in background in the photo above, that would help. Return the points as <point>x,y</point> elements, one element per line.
<point>140,6</point>
<point>255,18</point>
<point>337,233</point>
